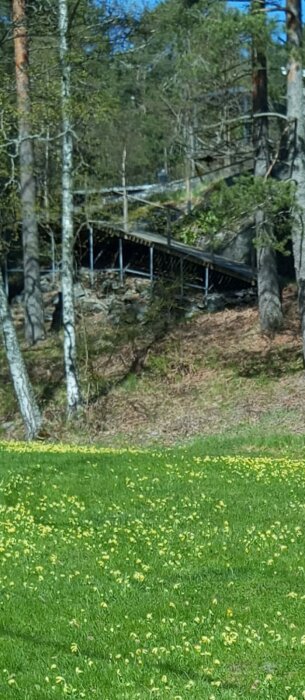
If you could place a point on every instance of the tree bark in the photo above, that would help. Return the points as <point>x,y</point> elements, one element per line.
<point>269,299</point>
<point>34,316</point>
<point>27,404</point>
<point>73,390</point>
<point>296,146</point>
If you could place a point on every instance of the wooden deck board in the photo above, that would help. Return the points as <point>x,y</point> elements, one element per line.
<point>181,250</point>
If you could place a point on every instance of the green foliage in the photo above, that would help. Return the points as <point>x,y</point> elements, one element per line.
<point>140,80</point>
<point>159,365</point>
<point>226,208</point>
<point>199,224</point>
<point>131,382</point>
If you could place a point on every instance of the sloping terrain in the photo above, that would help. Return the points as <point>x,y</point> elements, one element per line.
<point>206,375</point>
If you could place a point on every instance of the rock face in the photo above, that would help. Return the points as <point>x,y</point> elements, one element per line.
<point>234,246</point>
<point>129,303</point>
<point>241,248</point>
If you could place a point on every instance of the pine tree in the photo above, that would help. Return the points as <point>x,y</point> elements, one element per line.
<point>269,301</point>
<point>33,303</point>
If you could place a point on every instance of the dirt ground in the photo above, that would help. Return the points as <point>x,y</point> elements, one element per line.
<point>215,373</point>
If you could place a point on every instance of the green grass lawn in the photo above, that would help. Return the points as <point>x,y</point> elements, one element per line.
<point>151,574</point>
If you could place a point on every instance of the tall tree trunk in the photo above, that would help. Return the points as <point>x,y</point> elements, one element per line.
<point>23,389</point>
<point>269,300</point>
<point>34,317</point>
<point>296,146</point>
<point>73,390</point>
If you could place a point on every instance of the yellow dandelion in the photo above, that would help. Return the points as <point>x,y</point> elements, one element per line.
<point>138,576</point>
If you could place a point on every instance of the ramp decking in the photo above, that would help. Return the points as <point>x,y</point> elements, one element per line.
<point>183,251</point>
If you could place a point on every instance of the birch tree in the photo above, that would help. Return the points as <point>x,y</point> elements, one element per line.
<point>25,396</point>
<point>73,390</point>
<point>33,303</point>
<point>269,300</point>
<point>296,146</point>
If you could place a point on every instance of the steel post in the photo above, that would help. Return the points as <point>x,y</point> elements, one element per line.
<point>91,254</point>
<point>151,265</point>
<point>121,262</point>
<point>206,282</point>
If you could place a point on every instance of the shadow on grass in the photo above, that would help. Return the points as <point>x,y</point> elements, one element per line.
<point>47,643</point>
<point>189,674</point>
<point>134,369</point>
<point>274,363</point>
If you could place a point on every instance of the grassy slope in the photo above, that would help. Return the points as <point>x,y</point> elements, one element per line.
<point>156,573</point>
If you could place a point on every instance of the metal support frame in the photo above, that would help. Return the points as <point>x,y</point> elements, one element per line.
<point>151,273</point>
<point>91,254</point>
<point>121,261</point>
<point>125,195</point>
<point>206,281</point>
<point>151,265</point>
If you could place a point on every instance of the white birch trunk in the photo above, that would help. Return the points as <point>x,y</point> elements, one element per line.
<point>296,147</point>
<point>73,390</point>
<point>27,403</point>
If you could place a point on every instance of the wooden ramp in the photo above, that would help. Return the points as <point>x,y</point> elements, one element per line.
<point>171,247</point>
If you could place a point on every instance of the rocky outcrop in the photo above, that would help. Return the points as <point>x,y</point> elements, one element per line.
<point>129,303</point>
<point>234,246</point>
